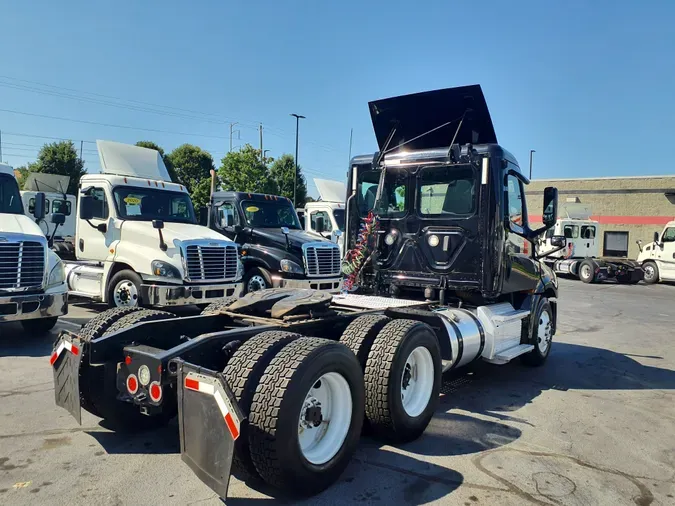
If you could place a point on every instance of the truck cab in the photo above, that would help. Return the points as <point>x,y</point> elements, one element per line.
<point>330,207</point>
<point>276,252</point>
<point>32,279</point>
<point>658,257</point>
<point>138,241</point>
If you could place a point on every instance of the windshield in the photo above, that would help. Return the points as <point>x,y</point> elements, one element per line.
<point>448,190</point>
<point>147,204</point>
<point>270,214</point>
<point>10,198</point>
<point>393,201</point>
<point>339,215</point>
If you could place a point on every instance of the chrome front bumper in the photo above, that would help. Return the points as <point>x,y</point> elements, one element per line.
<point>28,307</point>
<point>167,295</point>
<point>333,285</point>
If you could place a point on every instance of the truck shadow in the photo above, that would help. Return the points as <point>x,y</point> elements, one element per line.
<point>15,342</point>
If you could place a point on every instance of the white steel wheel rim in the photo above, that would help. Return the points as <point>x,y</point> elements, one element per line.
<point>417,381</point>
<point>649,271</point>
<point>544,332</point>
<point>586,271</point>
<point>256,283</point>
<point>125,294</point>
<point>320,440</point>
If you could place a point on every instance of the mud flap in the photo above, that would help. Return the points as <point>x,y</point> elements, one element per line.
<point>209,422</point>
<point>65,361</point>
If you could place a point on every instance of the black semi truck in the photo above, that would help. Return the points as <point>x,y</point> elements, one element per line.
<point>278,384</point>
<point>275,251</point>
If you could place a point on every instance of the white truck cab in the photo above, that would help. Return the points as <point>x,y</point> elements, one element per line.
<point>32,279</point>
<point>658,257</point>
<point>57,201</point>
<point>327,216</point>
<point>137,238</point>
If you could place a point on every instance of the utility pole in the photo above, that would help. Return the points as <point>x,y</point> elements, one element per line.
<point>231,131</point>
<point>532,151</point>
<point>262,153</point>
<point>295,177</point>
<point>81,143</point>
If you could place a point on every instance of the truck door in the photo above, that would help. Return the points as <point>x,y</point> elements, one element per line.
<point>92,243</point>
<point>588,246</point>
<point>666,254</point>
<point>328,222</point>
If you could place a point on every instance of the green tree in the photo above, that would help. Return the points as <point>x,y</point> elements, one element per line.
<point>281,172</point>
<point>22,172</point>
<point>193,168</point>
<point>60,158</point>
<point>167,161</point>
<point>242,171</point>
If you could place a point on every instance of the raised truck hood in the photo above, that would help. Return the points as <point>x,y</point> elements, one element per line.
<point>19,224</point>
<point>133,161</point>
<point>419,113</point>
<point>331,191</point>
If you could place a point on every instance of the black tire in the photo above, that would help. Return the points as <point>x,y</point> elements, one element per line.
<point>119,415</point>
<point>278,400</point>
<point>132,277</point>
<point>91,377</point>
<point>651,272</point>
<point>584,274</point>
<point>39,326</point>
<point>243,373</point>
<point>538,356</point>
<point>260,276</point>
<point>383,376</point>
<point>217,305</point>
<point>360,334</point>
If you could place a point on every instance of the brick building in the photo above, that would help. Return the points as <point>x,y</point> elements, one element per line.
<point>627,208</point>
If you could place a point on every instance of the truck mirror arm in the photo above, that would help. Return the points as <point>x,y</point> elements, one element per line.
<point>101,227</point>
<point>549,253</point>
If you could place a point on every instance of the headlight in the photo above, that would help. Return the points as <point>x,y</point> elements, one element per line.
<point>144,375</point>
<point>240,269</point>
<point>390,238</point>
<point>292,267</point>
<point>434,241</point>
<point>164,270</point>
<point>58,273</point>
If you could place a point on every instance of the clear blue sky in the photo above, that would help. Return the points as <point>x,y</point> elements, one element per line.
<point>589,84</point>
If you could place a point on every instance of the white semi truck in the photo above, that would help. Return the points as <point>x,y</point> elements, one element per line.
<point>658,258</point>
<point>137,240</point>
<point>327,216</point>
<point>32,279</point>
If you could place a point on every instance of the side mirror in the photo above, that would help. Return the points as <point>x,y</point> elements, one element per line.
<point>550,214</point>
<point>158,224</point>
<point>86,207</point>
<point>656,234</point>
<point>285,230</point>
<point>39,209</point>
<point>338,233</point>
<point>558,241</point>
<point>58,218</point>
<point>320,225</point>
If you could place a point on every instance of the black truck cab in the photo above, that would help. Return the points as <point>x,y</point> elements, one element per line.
<point>452,219</point>
<point>275,250</point>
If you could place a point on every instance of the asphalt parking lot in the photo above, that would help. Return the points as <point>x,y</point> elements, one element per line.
<point>594,425</point>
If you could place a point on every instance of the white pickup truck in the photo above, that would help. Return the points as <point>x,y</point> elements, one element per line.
<point>138,242</point>
<point>658,258</point>
<point>32,279</point>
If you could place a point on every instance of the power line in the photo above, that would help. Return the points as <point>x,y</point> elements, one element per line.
<point>44,137</point>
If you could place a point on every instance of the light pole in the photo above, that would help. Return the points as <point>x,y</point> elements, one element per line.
<point>295,177</point>
<point>532,151</point>
<point>264,155</point>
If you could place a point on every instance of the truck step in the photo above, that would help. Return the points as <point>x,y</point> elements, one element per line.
<point>507,355</point>
<point>510,316</point>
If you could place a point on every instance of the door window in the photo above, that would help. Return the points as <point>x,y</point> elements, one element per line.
<point>326,220</point>
<point>516,206</point>
<point>668,235</point>
<point>587,232</point>
<point>100,202</point>
<point>616,244</point>
<point>227,214</point>
<point>61,206</point>
<point>571,231</point>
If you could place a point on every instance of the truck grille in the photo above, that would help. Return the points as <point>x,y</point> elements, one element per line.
<point>22,265</point>
<point>211,263</point>
<point>322,259</point>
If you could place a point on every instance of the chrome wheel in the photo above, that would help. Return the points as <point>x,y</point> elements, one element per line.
<point>650,272</point>
<point>417,381</point>
<point>586,271</point>
<point>544,332</point>
<point>257,282</point>
<point>125,294</point>
<point>325,418</point>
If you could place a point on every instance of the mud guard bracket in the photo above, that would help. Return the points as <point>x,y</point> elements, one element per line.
<point>209,423</point>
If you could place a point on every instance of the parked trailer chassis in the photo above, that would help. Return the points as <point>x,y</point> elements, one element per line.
<point>592,270</point>
<point>137,367</point>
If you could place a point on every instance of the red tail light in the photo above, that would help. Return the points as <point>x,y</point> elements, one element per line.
<point>132,384</point>
<point>155,391</point>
